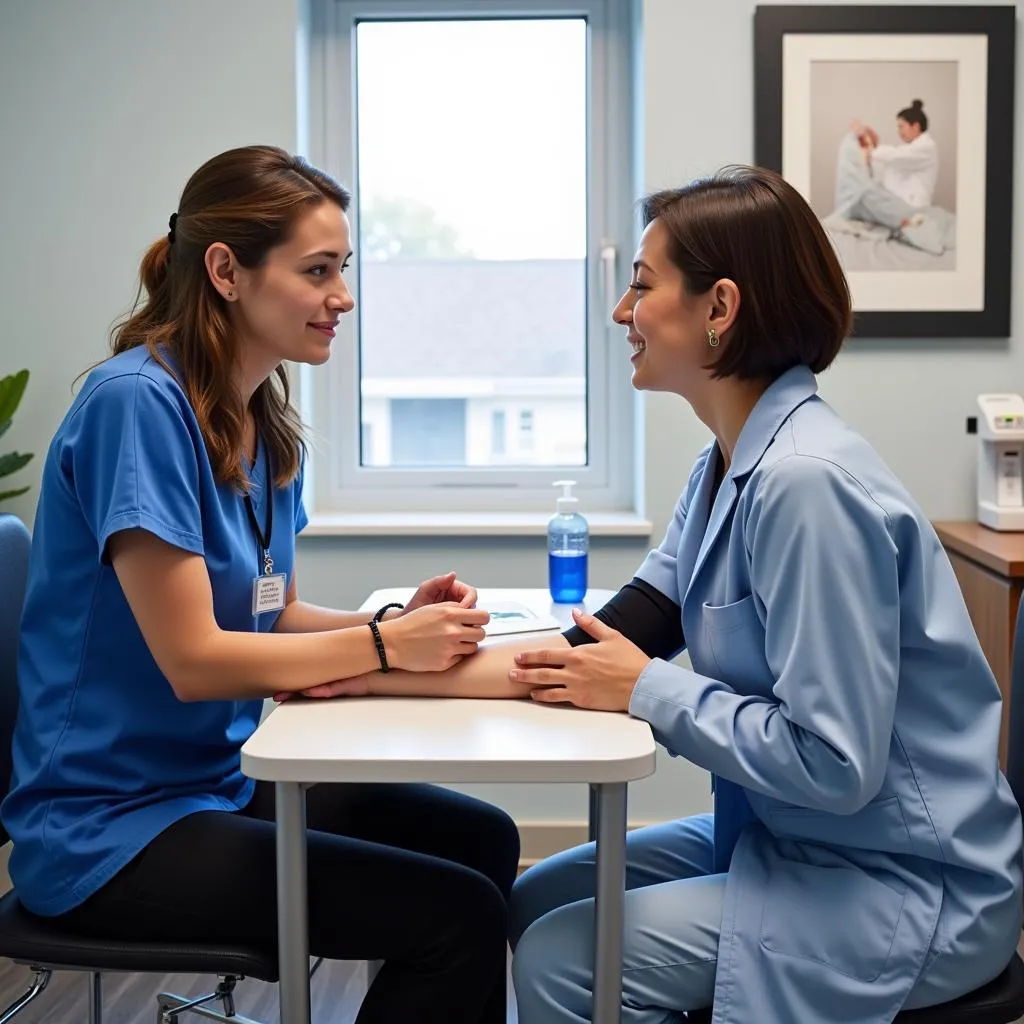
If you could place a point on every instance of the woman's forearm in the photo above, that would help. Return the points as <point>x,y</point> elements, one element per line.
<point>484,674</point>
<point>238,666</point>
<point>303,617</point>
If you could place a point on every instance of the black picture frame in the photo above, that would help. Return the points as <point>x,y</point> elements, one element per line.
<point>772,24</point>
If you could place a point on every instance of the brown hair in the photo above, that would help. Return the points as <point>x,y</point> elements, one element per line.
<point>249,199</point>
<point>751,226</point>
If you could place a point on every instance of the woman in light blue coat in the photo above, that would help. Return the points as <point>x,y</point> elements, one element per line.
<point>864,854</point>
<point>865,851</point>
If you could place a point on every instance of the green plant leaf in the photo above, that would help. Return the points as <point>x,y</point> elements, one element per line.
<point>4,495</point>
<point>12,462</point>
<point>11,390</point>
<point>4,425</point>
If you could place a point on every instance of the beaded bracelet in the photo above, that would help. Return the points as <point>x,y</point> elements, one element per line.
<point>381,611</point>
<point>375,630</point>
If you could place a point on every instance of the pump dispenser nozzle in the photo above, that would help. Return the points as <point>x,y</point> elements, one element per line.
<point>566,503</point>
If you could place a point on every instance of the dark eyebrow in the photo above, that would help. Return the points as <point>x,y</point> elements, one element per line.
<point>637,264</point>
<point>325,255</point>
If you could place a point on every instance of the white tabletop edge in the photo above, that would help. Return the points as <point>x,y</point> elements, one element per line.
<point>314,771</point>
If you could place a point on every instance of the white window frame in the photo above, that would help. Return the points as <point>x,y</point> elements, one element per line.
<point>329,396</point>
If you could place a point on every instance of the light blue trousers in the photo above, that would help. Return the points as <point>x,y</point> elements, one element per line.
<point>673,920</point>
<point>672,925</point>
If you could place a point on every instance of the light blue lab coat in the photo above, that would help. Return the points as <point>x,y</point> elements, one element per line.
<point>843,705</point>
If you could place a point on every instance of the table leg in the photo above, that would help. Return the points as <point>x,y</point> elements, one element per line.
<point>610,901</point>
<point>292,907</point>
<point>592,815</point>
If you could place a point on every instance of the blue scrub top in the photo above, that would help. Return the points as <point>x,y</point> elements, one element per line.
<point>105,755</point>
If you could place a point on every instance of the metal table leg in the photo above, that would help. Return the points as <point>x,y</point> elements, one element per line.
<point>610,901</point>
<point>592,815</point>
<point>292,908</point>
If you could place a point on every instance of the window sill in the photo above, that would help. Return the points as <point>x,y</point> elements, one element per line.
<point>466,524</point>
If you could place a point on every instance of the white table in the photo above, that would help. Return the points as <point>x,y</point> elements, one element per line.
<point>383,739</point>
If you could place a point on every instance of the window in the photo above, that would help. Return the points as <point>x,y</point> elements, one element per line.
<point>428,432</point>
<point>487,147</point>
<point>366,453</point>
<point>526,430</point>
<point>498,438</point>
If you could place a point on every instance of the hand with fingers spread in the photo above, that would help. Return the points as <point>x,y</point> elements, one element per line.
<point>598,676</point>
<point>441,589</point>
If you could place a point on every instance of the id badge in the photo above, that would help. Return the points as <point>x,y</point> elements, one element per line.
<point>268,593</point>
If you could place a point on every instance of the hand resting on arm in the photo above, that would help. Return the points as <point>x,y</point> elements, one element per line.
<point>486,674</point>
<point>594,664</point>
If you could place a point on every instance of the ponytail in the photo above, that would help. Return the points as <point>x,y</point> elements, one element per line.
<point>139,326</point>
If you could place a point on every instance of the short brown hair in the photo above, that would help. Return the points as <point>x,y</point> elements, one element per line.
<point>749,225</point>
<point>249,199</point>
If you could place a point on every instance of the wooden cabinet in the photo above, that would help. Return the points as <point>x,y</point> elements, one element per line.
<point>990,568</point>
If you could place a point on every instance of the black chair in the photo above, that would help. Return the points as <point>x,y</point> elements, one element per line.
<point>42,944</point>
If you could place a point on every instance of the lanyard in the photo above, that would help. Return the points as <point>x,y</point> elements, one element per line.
<point>261,540</point>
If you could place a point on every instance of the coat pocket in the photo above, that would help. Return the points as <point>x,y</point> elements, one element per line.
<point>879,825</point>
<point>840,917</point>
<point>735,638</point>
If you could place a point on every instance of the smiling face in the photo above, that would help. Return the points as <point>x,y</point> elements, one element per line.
<point>289,306</point>
<point>666,327</point>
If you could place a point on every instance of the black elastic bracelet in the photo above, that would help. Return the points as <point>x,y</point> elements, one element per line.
<point>384,666</point>
<point>381,611</point>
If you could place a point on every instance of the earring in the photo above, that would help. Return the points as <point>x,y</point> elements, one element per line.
<point>713,340</point>
<point>231,295</point>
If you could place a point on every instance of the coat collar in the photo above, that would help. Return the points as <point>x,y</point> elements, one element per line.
<point>773,408</point>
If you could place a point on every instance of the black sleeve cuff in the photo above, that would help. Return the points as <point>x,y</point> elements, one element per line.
<point>644,616</point>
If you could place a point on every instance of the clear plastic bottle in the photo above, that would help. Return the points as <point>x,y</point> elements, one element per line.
<point>568,543</point>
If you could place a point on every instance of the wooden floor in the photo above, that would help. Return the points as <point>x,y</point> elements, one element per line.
<point>336,991</point>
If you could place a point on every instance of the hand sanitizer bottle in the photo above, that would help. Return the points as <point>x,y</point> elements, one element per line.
<point>568,542</point>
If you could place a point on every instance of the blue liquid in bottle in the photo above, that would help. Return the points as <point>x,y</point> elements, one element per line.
<point>568,543</point>
<point>567,575</point>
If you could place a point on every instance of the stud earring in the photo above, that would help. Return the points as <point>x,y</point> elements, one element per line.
<point>231,295</point>
<point>713,340</point>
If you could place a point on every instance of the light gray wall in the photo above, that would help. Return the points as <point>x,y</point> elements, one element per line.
<point>106,106</point>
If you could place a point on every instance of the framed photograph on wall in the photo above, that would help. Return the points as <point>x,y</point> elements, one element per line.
<point>896,124</point>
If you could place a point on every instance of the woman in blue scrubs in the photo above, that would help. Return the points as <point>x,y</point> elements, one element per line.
<point>864,854</point>
<point>163,606</point>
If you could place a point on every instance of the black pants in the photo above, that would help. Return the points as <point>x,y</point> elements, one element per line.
<point>416,876</point>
